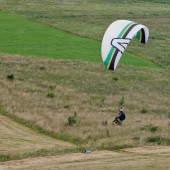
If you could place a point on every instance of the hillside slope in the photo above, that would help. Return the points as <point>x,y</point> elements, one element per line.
<point>53,84</point>
<point>17,139</point>
<point>47,92</point>
<point>91,18</point>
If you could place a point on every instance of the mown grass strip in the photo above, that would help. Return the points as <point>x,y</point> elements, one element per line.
<point>38,129</point>
<point>25,37</point>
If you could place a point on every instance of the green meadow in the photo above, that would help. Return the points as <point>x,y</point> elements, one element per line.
<point>25,37</point>
<point>90,18</point>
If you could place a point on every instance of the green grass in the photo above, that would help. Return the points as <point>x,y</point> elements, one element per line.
<point>25,37</point>
<point>90,18</point>
<point>137,60</point>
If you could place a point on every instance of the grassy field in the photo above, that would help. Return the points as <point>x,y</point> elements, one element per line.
<point>44,93</point>
<point>91,18</point>
<point>17,141</point>
<point>62,90</point>
<point>25,37</point>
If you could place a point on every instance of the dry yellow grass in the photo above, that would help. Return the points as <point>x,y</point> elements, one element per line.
<point>17,139</point>
<point>91,91</point>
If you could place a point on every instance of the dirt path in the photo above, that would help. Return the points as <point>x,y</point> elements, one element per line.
<point>15,137</point>
<point>156,158</point>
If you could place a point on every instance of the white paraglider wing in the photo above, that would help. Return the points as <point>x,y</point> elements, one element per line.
<point>116,38</point>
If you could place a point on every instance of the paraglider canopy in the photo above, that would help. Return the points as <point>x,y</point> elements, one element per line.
<point>116,38</point>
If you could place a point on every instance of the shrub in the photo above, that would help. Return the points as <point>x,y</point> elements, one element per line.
<point>158,140</point>
<point>42,68</point>
<point>154,139</point>
<point>122,101</point>
<point>10,76</point>
<point>72,120</point>
<point>66,106</point>
<point>150,128</point>
<point>4,158</point>
<point>50,95</point>
<point>115,78</point>
<point>144,110</point>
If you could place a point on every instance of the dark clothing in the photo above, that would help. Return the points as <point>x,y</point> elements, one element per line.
<point>122,116</point>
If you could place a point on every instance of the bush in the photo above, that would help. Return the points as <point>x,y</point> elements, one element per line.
<point>154,139</point>
<point>158,140</point>
<point>4,158</point>
<point>10,76</point>
<point>122,101</point>
<point>42,68</point>
<point>144,110</point>
<point>115,78</point>
<point>50,95</point>
<point>150,128</point>
<point>66,106</point>
<point>72,120</point>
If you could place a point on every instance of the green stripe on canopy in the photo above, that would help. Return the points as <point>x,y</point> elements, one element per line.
<point>106,62</point>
